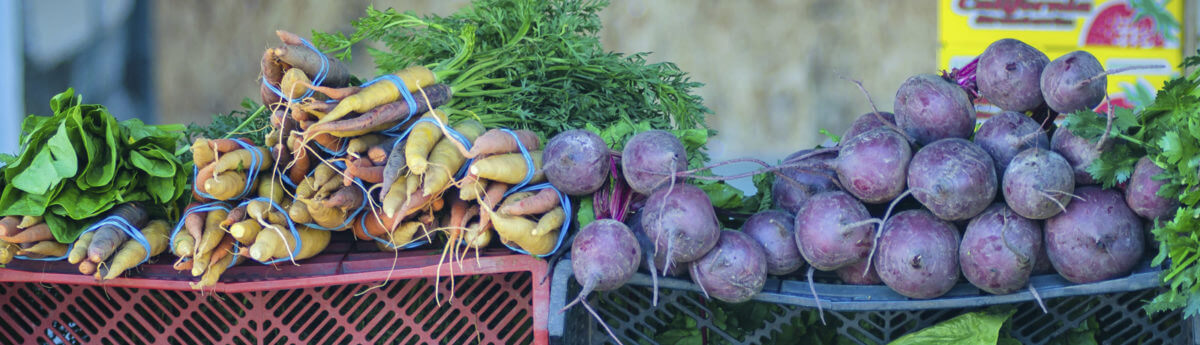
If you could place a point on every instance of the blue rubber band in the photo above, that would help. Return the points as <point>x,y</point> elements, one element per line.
<point>528,163</point>
<point>316,81</point>
<point>183,219</point>
<point>256,159</point>
<point>291,226</point>
<point>399,83</point>
<point>562,232</point>
<point>362,226</point>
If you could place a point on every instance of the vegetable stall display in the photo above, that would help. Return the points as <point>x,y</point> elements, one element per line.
<point>507,125</point>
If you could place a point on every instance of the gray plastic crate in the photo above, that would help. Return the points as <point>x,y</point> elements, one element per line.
<point>869,314</point>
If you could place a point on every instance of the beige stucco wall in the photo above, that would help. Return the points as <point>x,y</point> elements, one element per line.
<point>770,67</point>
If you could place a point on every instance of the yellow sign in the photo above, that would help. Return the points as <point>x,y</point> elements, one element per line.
<point>1118,32</point>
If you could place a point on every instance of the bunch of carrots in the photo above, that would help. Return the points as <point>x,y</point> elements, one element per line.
<point>400,181</point>
<point>109,251</point>
<point>27,236</point>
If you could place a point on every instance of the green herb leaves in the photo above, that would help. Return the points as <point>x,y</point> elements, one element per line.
<point>1168,132</point>
<point>80,162</point>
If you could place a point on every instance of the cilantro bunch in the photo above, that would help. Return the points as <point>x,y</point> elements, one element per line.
<point>1166,131</point>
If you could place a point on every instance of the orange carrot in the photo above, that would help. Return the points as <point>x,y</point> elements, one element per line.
<point>496,141</point>
<point>490,198</point>
<point>300,166</point>
<point>542,202</point>
<point>223,249</point>
<point>204,175</point>
<point>87,267</point>
<point>272,72</point>
<point>346,198</point>
<point>181,265</point>
<point>338,93</point>
<point>36,233</point>
<point>8,226</point>
<point>378,155</point>
<point>224,145</point>
<point>327,140</point>
<point>362,169</point>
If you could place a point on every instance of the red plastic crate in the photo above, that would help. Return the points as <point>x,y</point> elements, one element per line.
<point>331,299</point>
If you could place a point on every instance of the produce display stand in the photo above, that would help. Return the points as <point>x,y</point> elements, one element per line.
<point>873,314</point>
<point>339,297</point>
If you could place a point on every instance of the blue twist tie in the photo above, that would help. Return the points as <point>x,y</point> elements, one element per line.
<point>317,79</point>
<point>291,227</point>
<point>528,163</point>
<point>256,160</point>
<point>562,231</point>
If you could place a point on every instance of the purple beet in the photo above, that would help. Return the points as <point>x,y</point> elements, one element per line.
<point>918,255</point>
<point>1097,238</point>
<point>1073,82</point>
<point>999,250</point>
<point>853,274</point>
<point>650,158</point>
<point>872,166</point>
<point>953,178</point>
<point>867,122</point>
<point>1009,75</point>
<point>604,256</point>
<point>1078,151</point>
<point>1142,192</point>
<point>831,232</point>
<point>930,108</point>
<point>734,271</point>
<point>1009,133</point>
<point>681,221</point>
<point>1038,184</point>
<point>812,175</point>
<point>774,230</point>
<point>576,162</point>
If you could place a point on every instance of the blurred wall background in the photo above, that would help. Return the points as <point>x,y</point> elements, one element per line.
<point>771,67</point>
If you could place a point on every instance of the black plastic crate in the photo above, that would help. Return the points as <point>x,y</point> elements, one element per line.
<point>868,314</point>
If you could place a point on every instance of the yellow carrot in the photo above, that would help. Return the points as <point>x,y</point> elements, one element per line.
<point>518,231</point>
<point>202,153</point>
<point>184,246</point>
<point>132,252</point>
<point>445,158</point>
<point>7,251</point>
<point>226,185</point>
<point>28,221</point>
<point>48,248</point>
<point>299,212</point>
<point>293,83</point>
<point>508,168</point>
<point>209,240</point>
<point>272,189</point>
<point>551,221</point>
<point>405,233</point>
<point>241,159</point>
<point>421,140</point>
<point>394,198</point>
<point>214,273</point>
<point>276,242</point>
<point>245,231</point>
<point>381,92</point>
<point>79,250</point>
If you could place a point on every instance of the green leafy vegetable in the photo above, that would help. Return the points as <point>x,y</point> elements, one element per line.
<point>981,328</point>
<point>80,162</point>
<point>1168,132</point>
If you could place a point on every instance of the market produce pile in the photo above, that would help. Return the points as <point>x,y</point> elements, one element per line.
<point>507,125</point>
